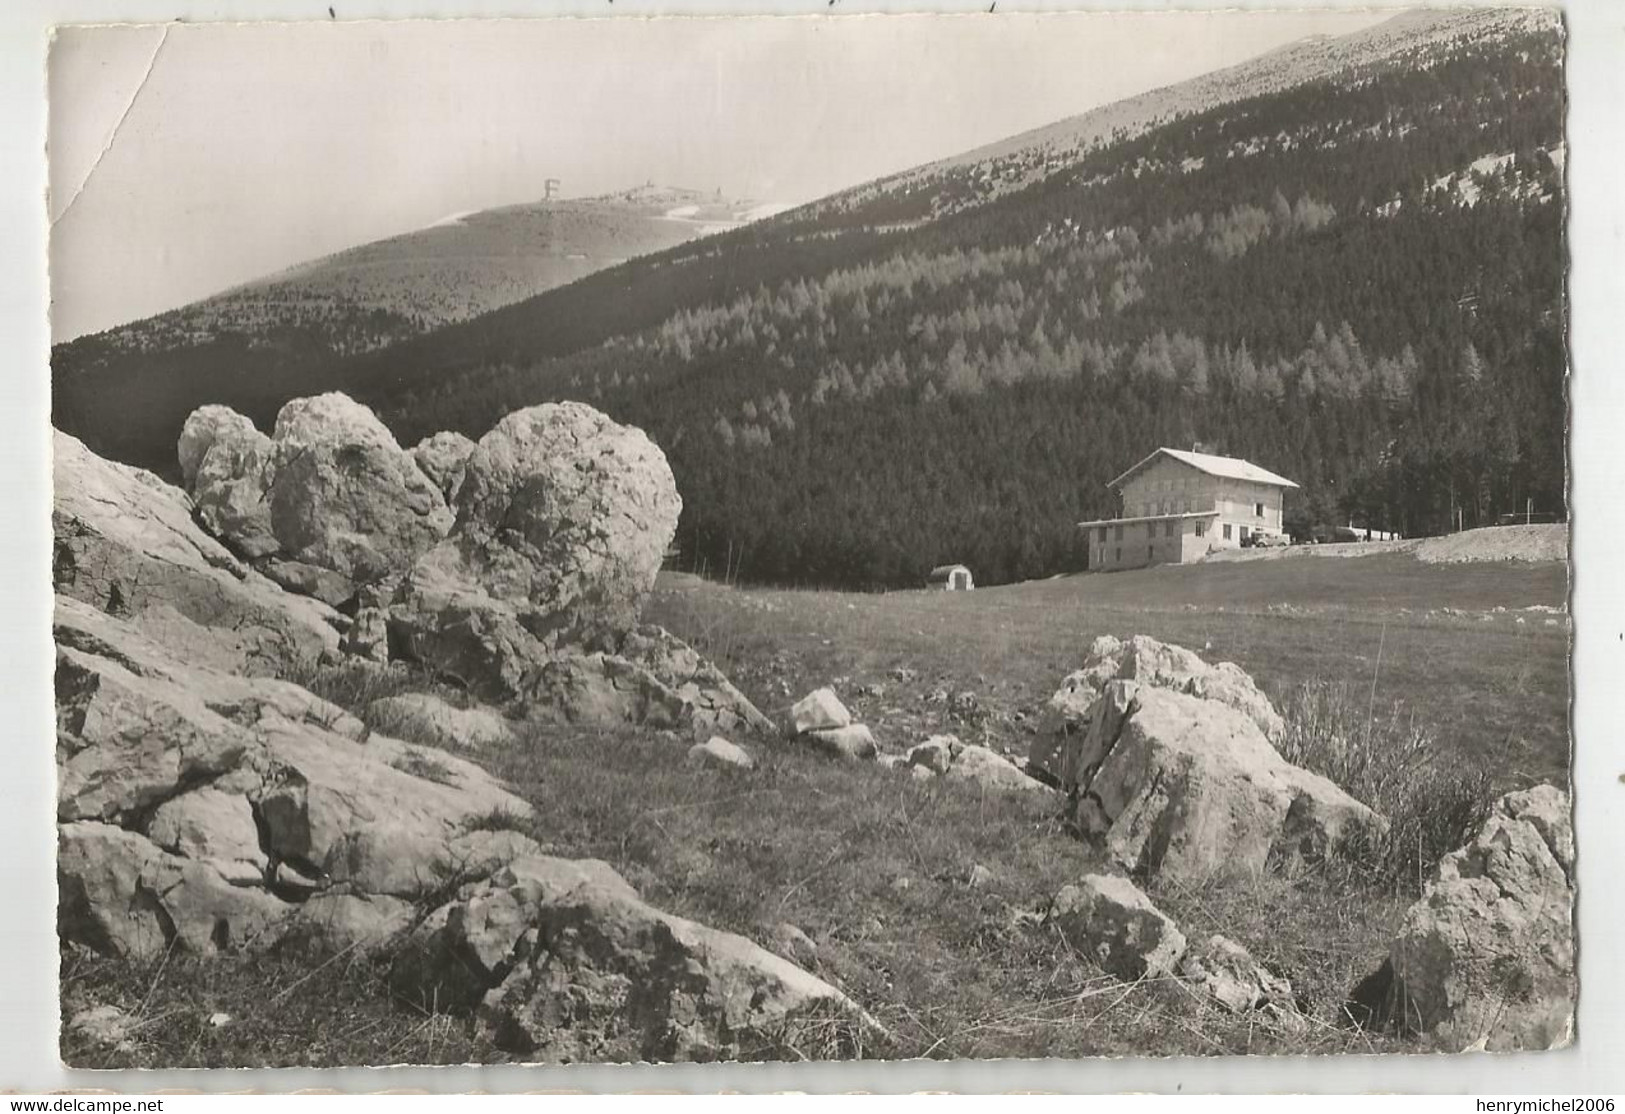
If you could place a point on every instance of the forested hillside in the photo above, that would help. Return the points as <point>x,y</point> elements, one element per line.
<point>1356,282</point>
<point>128,387</point>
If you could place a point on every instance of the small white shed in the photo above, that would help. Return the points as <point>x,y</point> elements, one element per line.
<point>951,578</point>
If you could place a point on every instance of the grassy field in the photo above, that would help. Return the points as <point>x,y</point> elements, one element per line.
<point>1492,683</point>
<point>877,868</point>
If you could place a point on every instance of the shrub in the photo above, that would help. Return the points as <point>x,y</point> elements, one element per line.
<point>1434,797</point>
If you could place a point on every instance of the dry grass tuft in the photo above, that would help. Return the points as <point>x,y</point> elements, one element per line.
<point>1434,797</point>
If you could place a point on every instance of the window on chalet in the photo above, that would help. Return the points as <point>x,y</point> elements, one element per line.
<point>1258,509</point>
<point>1201,527</point>
<point>1119,536</point>
<point>1226,531</point>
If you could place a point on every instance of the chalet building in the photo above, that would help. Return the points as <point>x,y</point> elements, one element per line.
<point>952,578</point>
<point>1179,507</point>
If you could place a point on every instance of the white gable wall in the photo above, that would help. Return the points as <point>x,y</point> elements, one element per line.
<point>1169,486</point>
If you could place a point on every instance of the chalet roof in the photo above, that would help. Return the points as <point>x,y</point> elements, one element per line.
<point>1149,518</point>
<point>944,570</point>
<point>1227,467</point>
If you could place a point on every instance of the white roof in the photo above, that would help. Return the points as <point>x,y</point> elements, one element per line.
<point>1229,467</point>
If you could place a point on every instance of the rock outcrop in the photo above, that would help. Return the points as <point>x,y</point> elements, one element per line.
<point>1171,766</point>
<point>1185,788</point>
<point>210,810</point>
<point>328,503</point>
<point>560,960</point>
<point>207,810</point>
<point>1486,957</point>
<point>563,518</point>
<point>126,544</point>
<point>1151,664</point>
<point>531,594</point>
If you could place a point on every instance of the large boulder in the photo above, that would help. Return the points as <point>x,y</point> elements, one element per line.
<point>565,515</point>
<point>227,466</point>
<point>203,428</point>
<point>1486,957</point>
<point>561,960</point>
<point>1150,663</point>
<point>563,518</point>
<point>207,811</point>
<point>345,496</point>
<point>126,543</point>
<point>1186,788</point>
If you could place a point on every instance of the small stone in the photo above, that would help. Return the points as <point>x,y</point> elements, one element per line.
<point>819,710</point>
<point>1109,919</point>
<point>105,1025</point>
<point>934,755</point>
<point>717,751</point>
<point>853,741</point>
<point>290,877</point>
<point>1233,978</point>
<point>368,636</point>
<point>988,769</point>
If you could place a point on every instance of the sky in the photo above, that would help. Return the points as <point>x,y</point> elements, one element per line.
<point>187,158</point>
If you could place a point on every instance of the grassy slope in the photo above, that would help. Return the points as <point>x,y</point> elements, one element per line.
<point>875,866</point>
